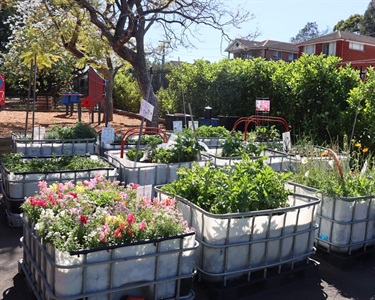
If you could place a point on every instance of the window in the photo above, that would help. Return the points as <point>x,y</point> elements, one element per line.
<point>277,54</point>
<point>309,49</point>
<point>329,48</point>
<point>356,46</point>
<point>245,55</point>
<point>292,56</point>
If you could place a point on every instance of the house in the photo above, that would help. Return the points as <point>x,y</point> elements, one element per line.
<point>268,49</point>
<point>359,50</point>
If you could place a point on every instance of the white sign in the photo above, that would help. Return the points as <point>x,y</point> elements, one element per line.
<point>39,133</point>
<point>108,134</point>
<point>144,191</point>
<point>177,126</point>
<point>287,143</point>
<point>196,124</point>
<point>147,110</point>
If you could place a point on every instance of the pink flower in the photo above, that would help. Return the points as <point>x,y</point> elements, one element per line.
<point>142,226</point>
<point>134,186</point>
<point>130,219</point>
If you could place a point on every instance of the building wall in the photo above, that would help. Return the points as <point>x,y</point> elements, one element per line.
<point>359,59</point>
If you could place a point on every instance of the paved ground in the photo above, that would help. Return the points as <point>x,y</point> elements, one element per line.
<point>318,281</point>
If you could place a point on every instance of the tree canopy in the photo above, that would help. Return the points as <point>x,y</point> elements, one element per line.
<point>308,32</point>
<point>368,22</point>
<point>351,24</point>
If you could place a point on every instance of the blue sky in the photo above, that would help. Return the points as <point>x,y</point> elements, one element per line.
<point>275,20</point>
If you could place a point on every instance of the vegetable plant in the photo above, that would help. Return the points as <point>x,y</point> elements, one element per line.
<point>248,186</point>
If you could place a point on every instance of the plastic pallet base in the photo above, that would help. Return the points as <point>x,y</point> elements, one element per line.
<point>243,289</point>
<point>342,260</point>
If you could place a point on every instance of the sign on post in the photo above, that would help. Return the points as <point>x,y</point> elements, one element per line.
<point>147,110</point>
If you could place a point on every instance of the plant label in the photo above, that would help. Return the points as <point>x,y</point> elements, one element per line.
<point>177,126</point>
<point>108,134</point>
<point>195,124</point>
<point>287,143</point>
<point>147,110</point>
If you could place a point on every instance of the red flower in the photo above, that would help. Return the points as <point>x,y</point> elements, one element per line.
<point>83,220</point>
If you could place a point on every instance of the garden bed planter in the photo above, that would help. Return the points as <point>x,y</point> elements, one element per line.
<point>46,147</point>
<point>232,245</point>
<point>24,184</point>
<point>346,224</point>
<point>158,269</point>
<point>144,173</point>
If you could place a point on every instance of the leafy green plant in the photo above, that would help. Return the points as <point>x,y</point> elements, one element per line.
<point>77,131</point>
<point>235,145</point>
<point>212,131</point>
<point>183,149</point>
<point>248,186</point>
<point>267,134</point>
<point>16,163</point>
<point>336,178</point>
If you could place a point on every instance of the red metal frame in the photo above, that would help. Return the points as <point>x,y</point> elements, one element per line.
<point>146,130</point>
<point>258,119</point>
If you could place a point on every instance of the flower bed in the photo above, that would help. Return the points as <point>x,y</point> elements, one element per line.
<point>100,240</point>
<point>18,184</point>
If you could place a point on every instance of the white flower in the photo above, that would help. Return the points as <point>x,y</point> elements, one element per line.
<point>331,163</point>
<point>307,173</point>
<point>304,160</point>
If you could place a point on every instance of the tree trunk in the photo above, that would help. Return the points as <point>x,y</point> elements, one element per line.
<point>143,78</point>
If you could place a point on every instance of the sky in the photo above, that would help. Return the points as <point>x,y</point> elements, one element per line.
<point>277,20</point>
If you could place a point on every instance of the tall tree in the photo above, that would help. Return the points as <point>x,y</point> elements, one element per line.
<point>125,24</point>
<point>46,30</point>
<point>351,24</point>
<point>308,32</point>
<point>6,10</point>
<point>368,22</point>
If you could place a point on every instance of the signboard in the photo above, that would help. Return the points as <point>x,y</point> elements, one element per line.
<point>287,143</point>
<point>177,126</point>
<point>196,124</point>
<point>147,110</point>
<point>108,134</point>
<point>2,89</point>
<point>263,105</point>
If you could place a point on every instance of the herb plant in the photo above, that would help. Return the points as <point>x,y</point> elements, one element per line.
<point>16,163</point>
<point>212,131</point>
<point>235,145</point>
<point>77,131</point>
<point>248,186</point>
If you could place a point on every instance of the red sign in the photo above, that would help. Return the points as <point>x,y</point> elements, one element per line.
<point>2,89</point>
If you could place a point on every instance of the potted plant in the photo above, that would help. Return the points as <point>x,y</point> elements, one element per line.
<point>346,214</point>
<point>21,175</point>
<point>245,219</point>
<point>97,239</point>
<point>157,163</point>
<point>60,140</point>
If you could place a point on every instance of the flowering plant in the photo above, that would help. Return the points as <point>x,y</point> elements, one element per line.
<point>99,213</point>
<point>353,178</point>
